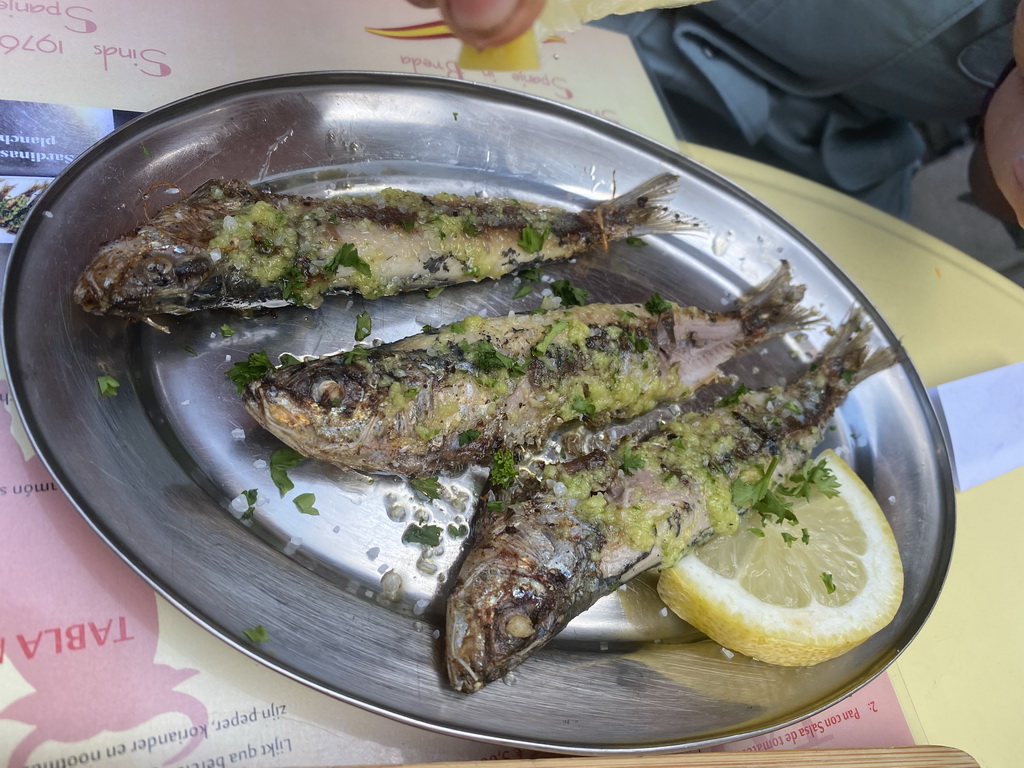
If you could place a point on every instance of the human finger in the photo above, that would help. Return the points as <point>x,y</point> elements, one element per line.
<point>488,23</point>
<point>1004,141</point>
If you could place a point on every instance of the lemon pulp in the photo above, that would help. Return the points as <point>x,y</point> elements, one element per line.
<point>798,594</point>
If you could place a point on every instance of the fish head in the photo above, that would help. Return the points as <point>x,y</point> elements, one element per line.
<point>141,275</point>
<point>522,582</point>
<point>327,409</point>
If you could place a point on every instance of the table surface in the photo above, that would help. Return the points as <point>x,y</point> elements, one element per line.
<point>956,318</point>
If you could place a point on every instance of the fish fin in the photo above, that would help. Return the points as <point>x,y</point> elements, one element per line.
<point>773,308</point>
<point>847,350</point>
<point>642,211</point>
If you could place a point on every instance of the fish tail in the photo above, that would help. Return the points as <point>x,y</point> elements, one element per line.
<point>773,308</point>
<point>846,354</point>
<point>642,211</point>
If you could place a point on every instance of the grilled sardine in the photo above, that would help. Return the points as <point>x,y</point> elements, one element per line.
<point>229,244</point>
<point>546,549</point>
<point>439,401</point>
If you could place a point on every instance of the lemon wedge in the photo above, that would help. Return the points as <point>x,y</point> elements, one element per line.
<point>795,600</point>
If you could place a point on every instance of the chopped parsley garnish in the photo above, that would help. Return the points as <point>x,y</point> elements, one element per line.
<point>253,368</point>
<point>793,407</point>
<point>530,240</point>
<point>467,437</point>
<point>830,585</point>
<point>847,377</point>
<point>428,486</point>
<point>304,502</point>
<point>757,531</point>
<point>503,468</point>
<point>107,386</point>
<point>733,398</point>
<point>355,352</point>
<point>348,256</point>
<point>458,531</point>
<point>427,535</point>
<point>145,150</point>
<point>364,325</point>
<point>495,506</point>
<point>638,342</point>
<point>257,634</point>
<point>552,331</point>
<point>656,305</point>
<point>636,242</point>
<point>281,461</point>
<point>584,406</point>
<point>190,350</point>
<point>812,477</point>
<point>250,499</point>
<point>528,277</point>
<point>470,228</point>
<point>227,331</point>
<point>632,461</point>
<point>485,357</point>
<point>569,294</point>
<point>788,538</point>
<point>459,326</point>
<point>436,291</point>
<point>409,226</point>
<point>287,360</point>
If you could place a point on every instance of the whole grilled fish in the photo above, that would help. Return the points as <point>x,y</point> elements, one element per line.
<point>229,244</point>
<point>546,549</point>
<point>439,401</point>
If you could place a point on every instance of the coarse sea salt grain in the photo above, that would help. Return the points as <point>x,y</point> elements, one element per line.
<point>239,505</point>
<point>238,434</point>
<point>259,464</point>
<point>292,546</point>
<point>728,654</point>
<point>48,214</point>
<point>185,402</point>
<point>227,358</point>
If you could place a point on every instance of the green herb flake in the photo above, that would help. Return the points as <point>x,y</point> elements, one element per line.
<point>584,406</point>
<point>733,398</point>
<point>806,536</point>
<point>826,578</point>
<point>409,226</point>
<point>436,291</point>
<point>281,461</point>
<point>570,295</point>
<point>759,532</point>
<point>788,538</point>
<point>632,461</point>
<point>530,240</point>
<point>190,350</point>
<point>541,347</point>
<point>469,228</point>
<point>455,115</point>
<point>459,326</point>
<point>304,502</point>
<point>467,437</point>
<point>364,325</point>
<point>503,468</point>
<point>428,486</point>
<point>495,506</point>
<point>427,535</point>
<point>348,256</point>
<point>486,358</point>
<point>287,360</point>
<point>793,407</point>
<point>107,386</point>
<point>253,368</point>
<point>250,499</point>
<point>814,477</point>
<point>847,377</point>
<point>226,331</point>
<point>257,634</point>
<point>656,305</point>
<point>355,352</point>
<point>145,150</point>
<point>636,242</point>
<point>458,531</point>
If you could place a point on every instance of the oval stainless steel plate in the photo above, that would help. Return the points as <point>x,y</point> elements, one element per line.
<point>154,469</point>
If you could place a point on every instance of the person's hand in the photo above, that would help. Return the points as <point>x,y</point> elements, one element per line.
<point>997,168</point>
<point>486,23</point>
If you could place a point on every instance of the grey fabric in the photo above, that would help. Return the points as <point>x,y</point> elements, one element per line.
<point>829,89</point>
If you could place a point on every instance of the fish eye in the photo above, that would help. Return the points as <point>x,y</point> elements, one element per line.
<point>519,625</point>
<point>157,270</point>
<point>327,392</point>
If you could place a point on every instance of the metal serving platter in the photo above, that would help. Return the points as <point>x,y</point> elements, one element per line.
<point>154,469</point>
